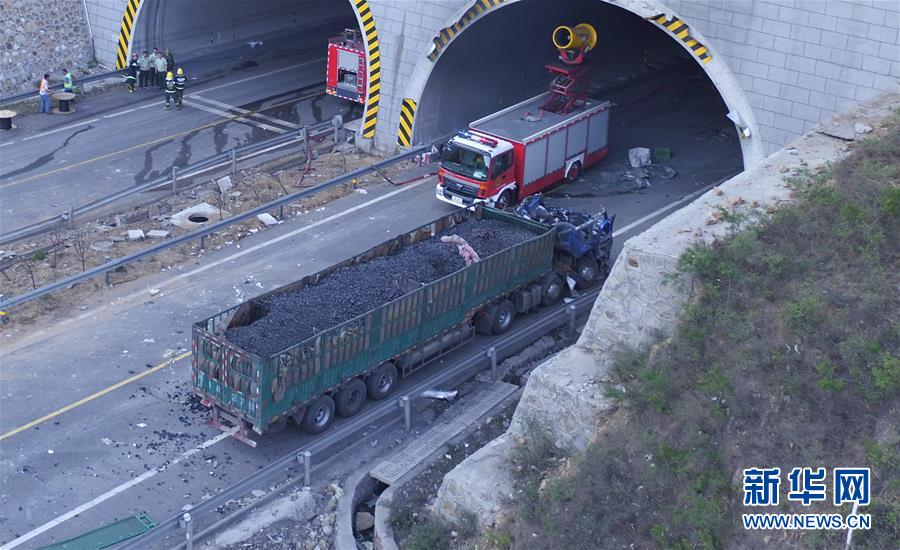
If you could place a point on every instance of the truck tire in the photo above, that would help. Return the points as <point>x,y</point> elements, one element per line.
<point>350,399</point>
<point>506,313</point>
<point>381,382</point>
<point>505,200</point>
<point>574,172</point>
<point>485,320</point>
<point>586,272</point>
<point>551,289</point>
<point>318,416</point>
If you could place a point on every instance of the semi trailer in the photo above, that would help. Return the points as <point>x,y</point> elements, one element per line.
<point>259,384</point>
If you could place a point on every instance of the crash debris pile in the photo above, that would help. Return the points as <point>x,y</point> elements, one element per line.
<point>354,290</point>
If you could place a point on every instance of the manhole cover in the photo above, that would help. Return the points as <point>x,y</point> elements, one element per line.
<point>197,218</point>
<point>102,245</point>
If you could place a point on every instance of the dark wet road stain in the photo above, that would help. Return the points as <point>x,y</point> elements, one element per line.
<point>316,108</point>
<point>44,159</point>
<point>147,173</point>
<point>220,140</point>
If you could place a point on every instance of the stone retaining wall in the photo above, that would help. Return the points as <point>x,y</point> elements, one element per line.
<point>639,303</point>
<point>41,37</point>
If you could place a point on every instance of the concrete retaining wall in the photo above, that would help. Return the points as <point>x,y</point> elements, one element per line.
<point>639,303</point>
<point>41,37</point>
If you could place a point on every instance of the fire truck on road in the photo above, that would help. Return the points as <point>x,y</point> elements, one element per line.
<point>528,147</point>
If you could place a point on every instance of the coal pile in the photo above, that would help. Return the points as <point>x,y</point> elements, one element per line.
<point>354,290</point>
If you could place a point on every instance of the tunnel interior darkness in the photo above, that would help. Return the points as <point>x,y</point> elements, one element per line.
<point>197,27</point>
<point>499,61</point>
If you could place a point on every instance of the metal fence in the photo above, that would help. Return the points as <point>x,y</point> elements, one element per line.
<point>232,157</point>
<point>200,234</point>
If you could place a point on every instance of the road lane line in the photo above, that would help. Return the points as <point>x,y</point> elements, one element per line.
<point>241,110</point>
<point>117,385</point>
<point>659,211</point>
<point>138,146</point>
<point>243,119</point>
<point>82,123</point>
<point>115,491</point>
<point>133,109</point>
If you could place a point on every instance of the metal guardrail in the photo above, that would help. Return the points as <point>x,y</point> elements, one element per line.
<point>517,338</point>
<point>108,267</point>
<point>34,94</point>
<point>234,155</point>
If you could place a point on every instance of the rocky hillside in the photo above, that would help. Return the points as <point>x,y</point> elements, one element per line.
<point>787,355</point>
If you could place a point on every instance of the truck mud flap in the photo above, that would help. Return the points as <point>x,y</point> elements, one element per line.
<point>240,428</point>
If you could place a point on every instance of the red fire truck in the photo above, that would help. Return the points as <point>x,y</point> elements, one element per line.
<point>346,69</point>
<point>514,153</point>
<point>530,146</point>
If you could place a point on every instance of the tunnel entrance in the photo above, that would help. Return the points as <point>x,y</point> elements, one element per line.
<point>224,30</point>
<point>662,98</point>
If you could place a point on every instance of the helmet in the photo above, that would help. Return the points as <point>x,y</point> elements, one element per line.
<point>169,74</point>
<point>180,70</point>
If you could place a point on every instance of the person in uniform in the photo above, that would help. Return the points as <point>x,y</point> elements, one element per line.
<point>132,73</point>
<point>170,89</point>
<point>180,82</point>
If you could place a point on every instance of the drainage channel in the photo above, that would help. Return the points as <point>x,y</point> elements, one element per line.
<point>385,414</point>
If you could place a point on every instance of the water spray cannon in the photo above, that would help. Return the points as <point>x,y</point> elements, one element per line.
<point>567,89</point>
<point>574,42</point>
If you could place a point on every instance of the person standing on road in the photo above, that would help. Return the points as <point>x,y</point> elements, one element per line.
<point>161,69</point>
<point>44,93</point>
<point>144,66</point>
<point>170,89</point>
<point>132,73</point>
<point>154,75</point>
<point>170,60</point>
<point>180,82</point>
<point>68,82</point>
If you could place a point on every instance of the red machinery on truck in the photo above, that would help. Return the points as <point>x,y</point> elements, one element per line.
<point>530,146</point>
<point>346,69</point>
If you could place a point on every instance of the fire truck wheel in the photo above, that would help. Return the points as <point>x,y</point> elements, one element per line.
<point>552,289</point>
<point>586,272</point>
<point>318,416</point>
<point>573,173</point>
<point>381,382</point>
<point>506,312</point>
<point>505,200</point>
<point>350,399</point>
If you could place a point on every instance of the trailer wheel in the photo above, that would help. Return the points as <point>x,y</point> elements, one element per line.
<point>504,200</point>
<point>381,382</point>
<point>586,272</point>
<point>552,289</point>
<point>350,399</point>
<point>485,320</point>
<point>506,312</point>
<point>318,416</point>
<point>573,173</point>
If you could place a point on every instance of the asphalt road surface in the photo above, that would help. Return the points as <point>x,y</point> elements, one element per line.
<point>96,423</point>
<point>116,140</point>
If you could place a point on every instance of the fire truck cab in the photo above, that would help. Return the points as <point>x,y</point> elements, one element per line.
<point>477,167</point>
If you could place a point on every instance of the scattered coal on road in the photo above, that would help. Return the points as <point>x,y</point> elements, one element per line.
<point>354,290</point>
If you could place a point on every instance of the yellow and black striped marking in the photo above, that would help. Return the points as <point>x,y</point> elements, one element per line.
<point>681,31</point>
<point>407,115</point>
<point>125,33</point>
<point>370,116</point>
<point>445,35</point>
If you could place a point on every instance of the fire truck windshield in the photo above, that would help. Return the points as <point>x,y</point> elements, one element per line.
<point>465,161</point>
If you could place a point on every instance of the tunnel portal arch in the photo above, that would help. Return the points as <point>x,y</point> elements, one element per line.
<point>653,12</point>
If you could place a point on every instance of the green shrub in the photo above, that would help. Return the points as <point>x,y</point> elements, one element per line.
<point>39,255</point>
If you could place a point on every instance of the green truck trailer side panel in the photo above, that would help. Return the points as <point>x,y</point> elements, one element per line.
<point>263,389</point>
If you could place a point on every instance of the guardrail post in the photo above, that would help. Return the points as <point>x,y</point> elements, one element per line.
<point>570,311</point>
<point>174,179</point>
<point>492,355</point>
<point>233,160</point>
<point>307,456</point>
<point>202,242</point>
<point>71,216</point>
<point>337,122</point>
<point>403,402</point>
<point>106,278</point>
<point>281,212</point>
<point>187,523</point>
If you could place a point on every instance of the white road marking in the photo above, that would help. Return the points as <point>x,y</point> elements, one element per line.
<point>115,491</point>
<point>243,111</point>
<point>4,144</point>
<point>240,118</point>
<point>82,123</point>
<point>249,78</point>
<point>298,231</point>
<point>659,211</point>
<point>126,111</point>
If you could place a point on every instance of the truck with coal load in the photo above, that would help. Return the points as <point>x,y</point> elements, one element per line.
<point>321,345</point>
